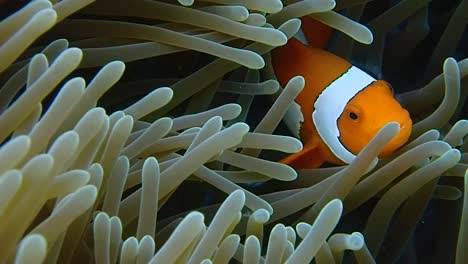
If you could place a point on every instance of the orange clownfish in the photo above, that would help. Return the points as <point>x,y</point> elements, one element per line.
<point>342,107</point>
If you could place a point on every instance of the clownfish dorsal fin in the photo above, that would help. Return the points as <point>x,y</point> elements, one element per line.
<point>314,33</point>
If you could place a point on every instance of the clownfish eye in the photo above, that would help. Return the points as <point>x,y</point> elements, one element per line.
<point>353,116</point>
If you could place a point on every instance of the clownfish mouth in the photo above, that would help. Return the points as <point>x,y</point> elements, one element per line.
<point>399,140</point>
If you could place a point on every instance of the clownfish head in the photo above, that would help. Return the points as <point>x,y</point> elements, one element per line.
<point>368,112</point>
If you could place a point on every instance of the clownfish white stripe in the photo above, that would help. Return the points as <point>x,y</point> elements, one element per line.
<point>330,105</point>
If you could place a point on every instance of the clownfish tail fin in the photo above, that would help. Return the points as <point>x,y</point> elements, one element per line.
<point>316,33</point>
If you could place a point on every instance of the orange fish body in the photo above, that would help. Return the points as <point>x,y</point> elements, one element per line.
<point>342,107</point>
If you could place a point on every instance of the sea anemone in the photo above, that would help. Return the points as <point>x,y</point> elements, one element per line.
<point>149,132</point>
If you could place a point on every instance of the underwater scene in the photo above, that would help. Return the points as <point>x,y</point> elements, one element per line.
<point>233,131</point>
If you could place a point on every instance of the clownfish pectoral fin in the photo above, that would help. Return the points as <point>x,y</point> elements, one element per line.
<point>294,118</point>
<point>309,157</point>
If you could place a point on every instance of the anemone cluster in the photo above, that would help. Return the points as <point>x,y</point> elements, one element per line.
<point>103,164</point>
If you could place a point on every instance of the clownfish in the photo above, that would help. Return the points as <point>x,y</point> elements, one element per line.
<point>342,106</point>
